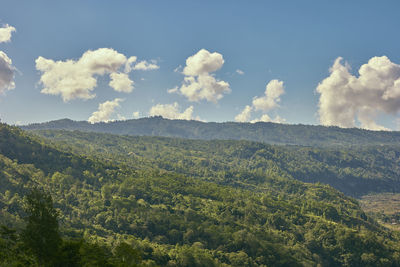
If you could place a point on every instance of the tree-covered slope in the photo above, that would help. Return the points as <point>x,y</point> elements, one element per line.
<point>175,220</point>
<point>355,171</point>
<point>273,133</point>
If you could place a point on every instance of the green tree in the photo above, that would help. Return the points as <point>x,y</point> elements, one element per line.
<point>126,255</point>
<point>41,235</point>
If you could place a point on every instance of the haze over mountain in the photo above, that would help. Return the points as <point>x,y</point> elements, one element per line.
<point>267,132</point>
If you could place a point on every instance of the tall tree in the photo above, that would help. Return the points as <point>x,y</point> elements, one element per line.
<point>41,235</point>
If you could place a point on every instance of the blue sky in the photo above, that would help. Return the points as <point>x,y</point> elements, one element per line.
<point>292,41</point>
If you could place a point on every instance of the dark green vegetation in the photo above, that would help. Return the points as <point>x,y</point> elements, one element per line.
<point>355,171</point>
<point>41,244</point>
<point>272,133</point>
<point>138,209</point>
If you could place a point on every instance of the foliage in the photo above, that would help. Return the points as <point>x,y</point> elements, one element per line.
<point>355,171</point>
<point>41,234</point>
<point>121,213</point>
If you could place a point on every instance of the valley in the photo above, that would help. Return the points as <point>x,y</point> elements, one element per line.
<point>181,202</point>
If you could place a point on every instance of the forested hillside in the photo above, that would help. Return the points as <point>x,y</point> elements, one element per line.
<point>357,171</point>
<point>267,132</point>
<point>152,216</point>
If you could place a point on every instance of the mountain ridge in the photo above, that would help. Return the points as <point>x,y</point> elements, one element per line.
<point>266,132</point>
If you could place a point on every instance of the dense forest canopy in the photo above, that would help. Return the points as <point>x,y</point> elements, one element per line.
<point>160,216</point>
<point>267,132</point>
<point>355,171</point>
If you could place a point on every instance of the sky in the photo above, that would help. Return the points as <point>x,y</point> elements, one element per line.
<point>297,62</point>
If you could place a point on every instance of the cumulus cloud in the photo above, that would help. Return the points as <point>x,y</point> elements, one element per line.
<point>121,82</point>
<point>267,118</point>
<point>271,98</point>
<point>105,111</point>
<point>6,67</point>
<point>144,65</point>
<point>240,72</point>
<point>346,99</point>
<point>171,111</point>
<point>204,87</point>
<point>199,82</point>
<point>5,33</point>
<point>77,78</point>
<point>203,62</point>
<point>6,73</point>
<point>269,101</point>
<point>244,115</point>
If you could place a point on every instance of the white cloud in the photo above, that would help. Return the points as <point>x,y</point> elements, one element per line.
<point>105,110</point>
<point>173,90</point>
<point>199,83</point>
<point>6,73</point>
<point>128,64</point>
<point>245,115</point>
<point>77,78</point>
<point>171,111</point>
<point>144,65</point>
<point>136,114</point>
<point>5,33</point>
<point>240,72</point>
<point>267,118</point>
<point>121,82</point>
<point>270,100</point>
<point>203,62</point>
<point>346,99</point>
<point>6,67</point>
<point>204,87</point>
<point>178,69</point>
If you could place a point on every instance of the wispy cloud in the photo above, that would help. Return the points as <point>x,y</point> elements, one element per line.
<point>240,72</point>
<point>178,69</point>
<point>173,90</point>
<point>144,65</point>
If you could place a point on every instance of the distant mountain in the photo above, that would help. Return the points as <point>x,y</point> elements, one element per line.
<point>267,132</point>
